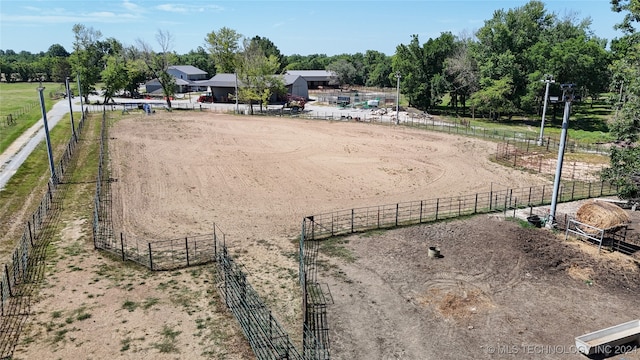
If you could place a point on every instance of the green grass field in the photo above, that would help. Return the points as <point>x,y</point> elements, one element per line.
<point>22,101</point>
<point>587,123</point>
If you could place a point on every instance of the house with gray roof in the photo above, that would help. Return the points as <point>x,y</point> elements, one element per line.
<point>185,76</point>
<point>223,86</point>
<point>316,78</point>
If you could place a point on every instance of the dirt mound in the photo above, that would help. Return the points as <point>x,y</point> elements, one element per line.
<point>602,214</point>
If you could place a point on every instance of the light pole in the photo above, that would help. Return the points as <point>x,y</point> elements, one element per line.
<point>548,79</point>
<point>567,97</point>
<point>398,98</point>
<point>73,127</point>
<point>52,167</point>
<point>80,96</point>
<point>235,75</point>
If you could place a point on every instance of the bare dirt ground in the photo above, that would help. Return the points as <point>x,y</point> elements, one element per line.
<point>499,291</point>
<point>256,178</point>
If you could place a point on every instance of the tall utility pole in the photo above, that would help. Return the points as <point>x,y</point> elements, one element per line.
<point>549,80</point>
<point>235,75</point>
<point>52,167</point>
<point>398,98</point>
<point>80,96</point>
<point>567,97</point>
<point>73,126</point>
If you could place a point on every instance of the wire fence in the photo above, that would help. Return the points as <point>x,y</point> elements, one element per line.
<point>11,118</point>
<point>265,335</point>
<point>344,222</point>
<point>377,116</point>
<point>158,254</point>
<point>527,156</point>
<point>25,257</point>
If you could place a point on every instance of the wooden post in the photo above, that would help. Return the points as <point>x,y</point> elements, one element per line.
<point>122,246</point>
<point>6,274</point>
<point>150,258</point>
<point>352,218</point>
<point>397,209</point>
<point>437,207</point>
<point>30,234</point>
<point>475,205</point>
<point>186,247</point>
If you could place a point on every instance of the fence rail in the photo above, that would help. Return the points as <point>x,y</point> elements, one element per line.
<point>20,270</point>
<point>379,116</point>
<point>537,159</point>
<point>344,222</point>
<point>11,118</point>
<point>265,335</point>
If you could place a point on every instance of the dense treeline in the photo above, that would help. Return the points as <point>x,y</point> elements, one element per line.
<point>495,72</point>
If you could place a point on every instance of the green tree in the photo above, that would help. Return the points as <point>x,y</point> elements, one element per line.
<point>461,69</point>
<point>269,49</point>
<point>419,65</point>
<point>200,59</point>
<point>114,77</point>
<point>345,72</point>
<point>377,69</point>
<point>86,58</point>
<point>256,75</point>
<point>158,63</point>
<point>57,50</point>
<point>224,46</point>
<point>625,160</point>
<point>493,98</point>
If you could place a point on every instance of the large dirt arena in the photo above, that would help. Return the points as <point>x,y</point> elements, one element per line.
<point>256,178</point>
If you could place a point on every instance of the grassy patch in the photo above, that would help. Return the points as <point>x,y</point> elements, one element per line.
<point>130,305</point>
<point>168,343</point>
<point>334,247</point>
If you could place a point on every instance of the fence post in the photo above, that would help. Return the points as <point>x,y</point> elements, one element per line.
<point>30,234</point>
<point>6,274</point>
<point>601,187</point>
<point>421,211</point>
<point>352,218</point>
<point>186,247</point>
<point>437,207</point>
<point>542,202</point>
<point>150,257</point>
<point>589,189</point>
<point>475,205</point>
<point>122,246</point>
<point>397,209</point>
<point>573,189</point>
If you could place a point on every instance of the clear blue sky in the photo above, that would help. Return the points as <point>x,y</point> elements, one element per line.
<point>295,27</point>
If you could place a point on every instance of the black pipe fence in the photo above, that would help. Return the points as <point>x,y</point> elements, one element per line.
<point>19,272</point>
<point>422,121</point>
<point>344,222</point>
<point>265,335</point>
<point>539,160</point>
<point>160,254</point>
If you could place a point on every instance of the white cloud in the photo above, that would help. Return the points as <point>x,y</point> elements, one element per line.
<point>185,8</point>
<point>172,8</point>
<point>131,6</point>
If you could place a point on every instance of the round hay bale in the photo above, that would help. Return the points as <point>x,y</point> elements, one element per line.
<point>601,214</point>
